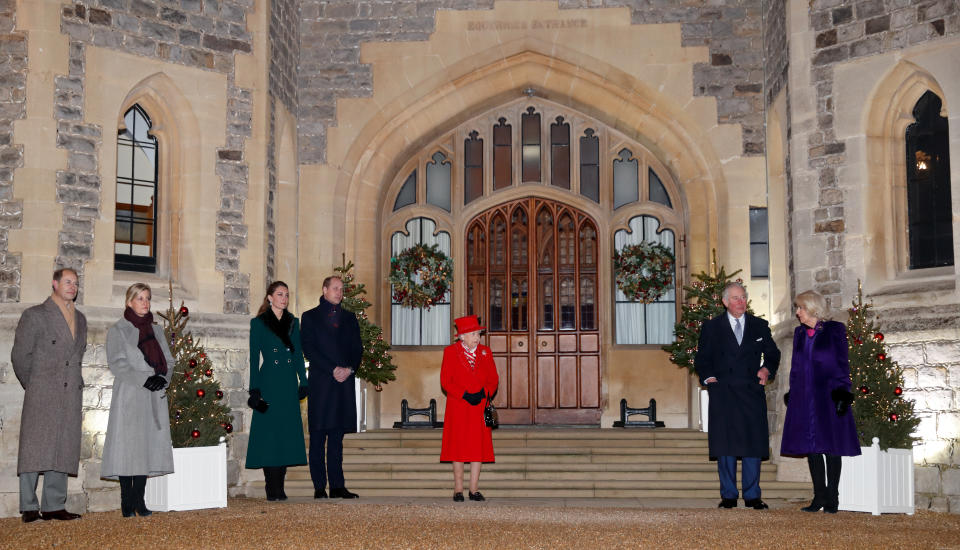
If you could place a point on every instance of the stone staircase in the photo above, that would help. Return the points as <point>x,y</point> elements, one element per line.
<point>541,463</point>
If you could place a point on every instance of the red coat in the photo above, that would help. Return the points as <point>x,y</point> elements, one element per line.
<point>465,437</point>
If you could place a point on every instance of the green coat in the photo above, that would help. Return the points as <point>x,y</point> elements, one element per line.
<point>276,436</point>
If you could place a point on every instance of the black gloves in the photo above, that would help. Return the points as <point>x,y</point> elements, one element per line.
<point>155,383</point>
<point>842,399</point>
<point>302,392</point>
<point>256,402</point>
<point>473,398</point>
<point>786,398</point>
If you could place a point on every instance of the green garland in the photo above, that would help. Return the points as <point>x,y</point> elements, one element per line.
<point>420,276</point>
<point>644,272</point>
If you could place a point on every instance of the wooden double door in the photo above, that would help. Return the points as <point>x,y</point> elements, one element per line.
<point>532,279</point>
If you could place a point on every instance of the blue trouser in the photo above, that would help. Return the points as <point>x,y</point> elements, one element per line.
<point>750,468</point>
<point>332,468</point>
<point>54,491</point>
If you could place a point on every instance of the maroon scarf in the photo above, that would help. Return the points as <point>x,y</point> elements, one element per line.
<point>148,340</point>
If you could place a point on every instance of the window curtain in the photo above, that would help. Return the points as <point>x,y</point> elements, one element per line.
<point>415,326</point>
<point>636,322</point>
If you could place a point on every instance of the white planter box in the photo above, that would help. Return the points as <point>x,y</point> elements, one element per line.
<point>199,480</point>
<point>878,481</point>
<point>704,409</point>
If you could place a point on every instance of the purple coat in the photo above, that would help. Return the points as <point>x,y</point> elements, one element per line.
<point>819,366</point>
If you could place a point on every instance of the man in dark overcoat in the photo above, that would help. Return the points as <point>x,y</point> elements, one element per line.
<point>331,342</point>
<point>736,357</point>
<point>47,353</point>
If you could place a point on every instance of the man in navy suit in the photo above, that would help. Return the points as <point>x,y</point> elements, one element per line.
<point>331,342</point>
<point>736,357</point>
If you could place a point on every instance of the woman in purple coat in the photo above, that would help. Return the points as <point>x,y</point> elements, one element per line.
<point>819,422</point>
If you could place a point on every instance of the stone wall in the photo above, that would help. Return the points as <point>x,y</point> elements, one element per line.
<point>776,48</point>
<point>846,30</point>
<point>197,33</point>
<point>13,97</point>
<point>333,30</point>
<point>926,343</point>
<point>284,39</point>
<point>225,341</point>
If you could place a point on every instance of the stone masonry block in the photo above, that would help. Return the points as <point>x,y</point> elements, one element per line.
<point>931,377</point>
<point>948,425</point>
<point>926,479</point>
<point>942,352</point>
<point>950,482</point>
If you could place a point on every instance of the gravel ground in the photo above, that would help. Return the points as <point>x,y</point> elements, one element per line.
<point>432,523</point>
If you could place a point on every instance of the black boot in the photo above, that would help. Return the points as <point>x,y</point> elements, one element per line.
<point>281,477</point>
<point>815,463</point>
<point>126,496</point>
<point>268,482</point>
<point>832,504</point>
<point>139,488</point>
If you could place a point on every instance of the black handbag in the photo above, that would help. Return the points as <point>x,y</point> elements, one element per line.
<point>490,417</point>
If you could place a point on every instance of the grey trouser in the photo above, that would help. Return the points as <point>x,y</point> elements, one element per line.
<point>54,491</point>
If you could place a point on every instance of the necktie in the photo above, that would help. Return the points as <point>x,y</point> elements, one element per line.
<point>738,331</point>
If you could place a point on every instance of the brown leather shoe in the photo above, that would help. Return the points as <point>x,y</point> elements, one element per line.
<point>30,515</point>
<point>59,514</point>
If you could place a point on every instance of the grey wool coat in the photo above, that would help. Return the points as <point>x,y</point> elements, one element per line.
<point>46,359</point>
<point>138,430</point>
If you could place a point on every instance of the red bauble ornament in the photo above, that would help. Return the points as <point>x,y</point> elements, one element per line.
<point>187,376</point>
<point>208,372</point>
<point>881,356</point>
<point>195,434</point>
<point>203,356</point>
<point>219,394</point>
<point>864,390</point>
<point>894,417</point>
<point>201,393</point>
<point>878,337</point>
<point>228,427</point>
<point>193,363</point>
<point>858,341</point>
<point>898,391</point>
<point>184,310</point>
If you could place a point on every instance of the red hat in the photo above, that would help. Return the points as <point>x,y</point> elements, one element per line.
<point>467,324</point>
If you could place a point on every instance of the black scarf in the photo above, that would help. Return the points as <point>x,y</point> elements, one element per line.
<point>147,342</point>
<point>281,327</point>
<point>331,313</point>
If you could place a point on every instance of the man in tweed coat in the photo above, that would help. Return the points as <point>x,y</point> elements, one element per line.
<point>47,351</point>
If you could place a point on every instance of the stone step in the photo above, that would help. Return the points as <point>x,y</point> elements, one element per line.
<point>505,489</point>
<point>520,474</point>
<point>544,463</point>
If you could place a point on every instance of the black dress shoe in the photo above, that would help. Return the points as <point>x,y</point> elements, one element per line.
<point>831,508</point>
<point>727,503</point>
<point>342,492</point>
<point>59,514</point>
<point>476,497</point>
<point>815,506</point>
<point>34,515</point>
<point>756,504</point>
<point>320,493</point>
<point>457,497</point>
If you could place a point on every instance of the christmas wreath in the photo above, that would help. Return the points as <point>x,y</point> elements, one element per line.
<point>420,276</point>
<point>643,271</point>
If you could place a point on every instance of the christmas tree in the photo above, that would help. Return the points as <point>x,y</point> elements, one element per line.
<point>879,407</point>
<point>703,302</point>
<point>376,367</point>
<point>198,416</point>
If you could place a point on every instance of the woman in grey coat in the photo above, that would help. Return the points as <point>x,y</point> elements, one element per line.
<point>138,431</point>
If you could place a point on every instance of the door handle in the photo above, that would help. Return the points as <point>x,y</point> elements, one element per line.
<point>543,343</point>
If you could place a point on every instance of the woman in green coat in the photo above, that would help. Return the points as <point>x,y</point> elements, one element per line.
<point>276,387</point>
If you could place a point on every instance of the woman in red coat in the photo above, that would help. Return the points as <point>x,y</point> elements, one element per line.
<point>469,378</point>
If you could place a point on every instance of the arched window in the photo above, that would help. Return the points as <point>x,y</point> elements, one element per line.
<point>420,327</point>
<point>929,210</point>
<point>536,194</point>
<point>636,322</point>
<point>135,233</point>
